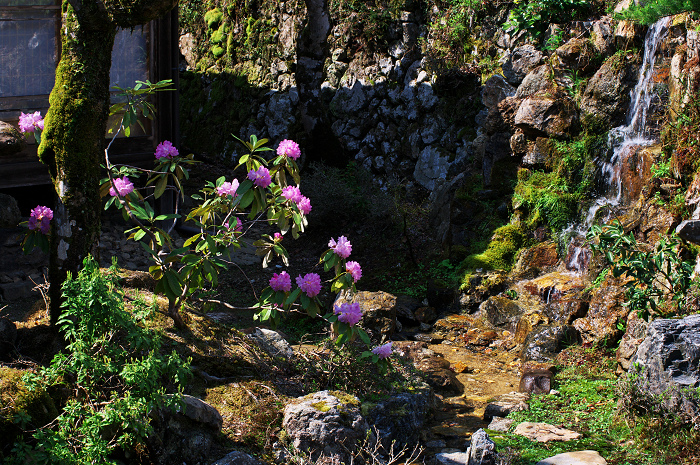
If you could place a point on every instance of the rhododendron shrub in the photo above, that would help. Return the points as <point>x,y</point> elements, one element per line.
<point>38,229</point>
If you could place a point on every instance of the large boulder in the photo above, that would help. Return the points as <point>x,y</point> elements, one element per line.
<point>9,211</point>
<point>667,366</point>
<point>325,423</point>
<point>547,115</point>
<point>495,89</point>
<point>482,450</point>
<point>577,54</point>
<point>402,417</point>
<point>520,61</point>
<point>606,309</point>
<point>272,342</point>
<point>188,435</point>
<point>538,80</point>
<point>378,312</point>
<point>544,343</point>
<point>11,141</point>
<point>607,95</point>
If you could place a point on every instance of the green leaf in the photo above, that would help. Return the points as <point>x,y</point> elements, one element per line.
<point>292,297</point>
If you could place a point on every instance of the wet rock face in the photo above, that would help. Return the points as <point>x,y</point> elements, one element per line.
<point>607,93</point>
<point>324,422</point>
<point>668,365</point>
<point>544,343</point>
<point>635,172</point>
<point>605,310</point>
<point>501,312</point>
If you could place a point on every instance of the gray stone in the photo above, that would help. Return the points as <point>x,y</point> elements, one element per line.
<point>431,168</point>
<point>482,450</point>
<point>238,458</point>
<point>199,411</point>
<point>537,80</point>
<point>689,230</point>
<point>495,89</point>
<point>10,215</point>
<point>505,404</point>
<point>279,116</point>
<point>602,35</point>
<point>325,422</point>
<point>402,417</point>
<point>501,424</point>
<point>11,140</point>
<point>667,365</point>
<point>547,116</point>
<point>607,94</point>
<point>583,457</point>
<point>501,312</point>
<point>187,47</point>
<point>452,458</point>
<point>520,61</point>
<point>16,290</point>
<point>272,343</point>
<point>426,96</point>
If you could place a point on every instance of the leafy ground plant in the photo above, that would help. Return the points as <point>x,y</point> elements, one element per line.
<point>113,370</point>
<point>590,400</point>
<point>659,280</point>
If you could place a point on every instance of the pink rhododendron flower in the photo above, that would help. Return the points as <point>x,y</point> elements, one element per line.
<point>292,193</point>
<point>281,282</point>
<point>261,177</point>
<point>166,149</point>
<point>123,186</point>
<point>310,284</point>
<point>40,218</point>
<point>342,248</point>
<point>354,269</point>
<point>289,148</point>
<point>348,313</point>
<point>30,121</point>
<point>383,351</point>
<point>228,188</point>
<point>304,205</point>
<point>237,225</point>
<point>278,237</point>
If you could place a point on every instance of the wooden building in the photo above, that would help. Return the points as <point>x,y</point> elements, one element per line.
<point>30,49</point>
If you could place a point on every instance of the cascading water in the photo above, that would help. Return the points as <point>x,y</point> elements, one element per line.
<point>622,139</point>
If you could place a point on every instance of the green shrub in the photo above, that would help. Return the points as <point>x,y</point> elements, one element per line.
<point>536,15</point>
<point>115,370</point>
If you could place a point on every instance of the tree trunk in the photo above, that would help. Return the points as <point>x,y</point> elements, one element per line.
<point>73,140</point>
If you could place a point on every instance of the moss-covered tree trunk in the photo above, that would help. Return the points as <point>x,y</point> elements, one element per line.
<point>74,133</point>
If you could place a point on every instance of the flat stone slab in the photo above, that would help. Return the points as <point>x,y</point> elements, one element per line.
<point>507,403</point>
<point>452,458</point>
<point>501,424</point>
<point>583,457</point>
<point>543,432</point>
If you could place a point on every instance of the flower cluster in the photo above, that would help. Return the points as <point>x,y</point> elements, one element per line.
<point>40,218</point>
<point>342,248</point>
<point>292,193</point>
<point>354,269</point>
<point>348,313</point>
<point>383,351</point>
<point>123,186</point>
<point>261,177</point>
<point>281,282</point>
<point>30,121</point>
<point>309,284</point>
<point>304,205</point>
<point>228,188</point>
<point>289,148</point>
<point>166,149</point>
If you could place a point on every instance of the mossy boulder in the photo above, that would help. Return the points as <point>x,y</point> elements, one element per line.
<point>20,404</point>
<point>501,251</point>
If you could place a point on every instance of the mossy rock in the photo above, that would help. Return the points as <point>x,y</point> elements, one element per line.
<point>501,251</point>
<point>16,401</point>
<point>213,17</point>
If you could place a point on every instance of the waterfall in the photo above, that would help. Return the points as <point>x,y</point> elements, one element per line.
<point>620,139</point>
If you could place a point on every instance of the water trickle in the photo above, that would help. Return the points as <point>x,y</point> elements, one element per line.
<point>621,139</point>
